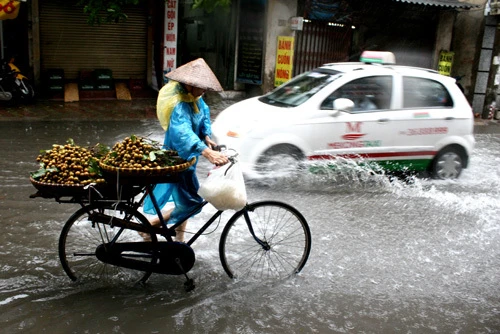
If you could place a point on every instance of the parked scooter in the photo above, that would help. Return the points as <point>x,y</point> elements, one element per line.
<point>14,86</point>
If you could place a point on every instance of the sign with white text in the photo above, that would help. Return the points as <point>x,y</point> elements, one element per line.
<point>251,42</point>
<point>170,41</point>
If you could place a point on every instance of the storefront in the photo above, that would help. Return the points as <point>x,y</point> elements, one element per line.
<point>136,48</point>
<point>68,42</point>
<point>340,30</point>
<point>209,35</point>
<point>408,30</point>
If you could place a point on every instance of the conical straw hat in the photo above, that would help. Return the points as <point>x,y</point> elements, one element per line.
<point>196,73</point>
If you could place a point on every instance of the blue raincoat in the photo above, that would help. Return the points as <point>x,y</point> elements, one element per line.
<point>185,134</point>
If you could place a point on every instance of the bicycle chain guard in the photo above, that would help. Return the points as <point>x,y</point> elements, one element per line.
<point>174,258</point>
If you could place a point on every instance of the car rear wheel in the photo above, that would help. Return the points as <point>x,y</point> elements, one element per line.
<point>448,164</point>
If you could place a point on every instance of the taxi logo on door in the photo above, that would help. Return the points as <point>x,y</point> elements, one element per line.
<point>353,131</point>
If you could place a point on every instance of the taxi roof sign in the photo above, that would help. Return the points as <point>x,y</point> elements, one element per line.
<point>378,57</point>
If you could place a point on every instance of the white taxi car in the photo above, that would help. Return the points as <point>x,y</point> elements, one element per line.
<point>399,117</point>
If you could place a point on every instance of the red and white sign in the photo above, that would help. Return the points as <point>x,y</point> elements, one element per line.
<point>170,35</point>
<point>296,23</point>
<point>9,9</point>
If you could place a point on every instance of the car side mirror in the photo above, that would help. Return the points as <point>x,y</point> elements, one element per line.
<point>342,104</point>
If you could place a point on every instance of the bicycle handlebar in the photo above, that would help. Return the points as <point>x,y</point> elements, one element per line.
<point>219,148</point>
<point>223,149</point>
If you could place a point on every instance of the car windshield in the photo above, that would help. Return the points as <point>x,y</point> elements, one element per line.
<point>300,89</point>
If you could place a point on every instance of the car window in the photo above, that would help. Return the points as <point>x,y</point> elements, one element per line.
<point>424,93</point>
<point>368,94</point>
<point>300,89</point>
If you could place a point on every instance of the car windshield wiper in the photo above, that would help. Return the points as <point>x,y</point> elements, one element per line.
<point>276,103</point>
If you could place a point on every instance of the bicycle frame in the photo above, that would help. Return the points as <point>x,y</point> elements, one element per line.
<point>165,231</point>
<point>169,232</point>
<point>206,225</point>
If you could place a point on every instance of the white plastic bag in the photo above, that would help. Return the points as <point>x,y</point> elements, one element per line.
<point>224,187</point>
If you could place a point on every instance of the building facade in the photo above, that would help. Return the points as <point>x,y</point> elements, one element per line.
<point>241,43</point>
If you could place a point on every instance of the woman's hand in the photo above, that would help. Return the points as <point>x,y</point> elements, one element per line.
<point>215,157</point>
<point>210,143</point>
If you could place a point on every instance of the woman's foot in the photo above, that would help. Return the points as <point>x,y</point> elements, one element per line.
<point>145,236</point>
<point>179,232</point>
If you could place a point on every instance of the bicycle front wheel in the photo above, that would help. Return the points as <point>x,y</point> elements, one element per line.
<point>280,248</point>
<point>80,238</point>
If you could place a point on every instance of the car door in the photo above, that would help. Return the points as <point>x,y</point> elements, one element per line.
<point>365,131</point>
<point>427,112</point>
<point>423,116</point>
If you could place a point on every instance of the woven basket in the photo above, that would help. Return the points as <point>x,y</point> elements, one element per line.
<point>105,191</point>
<point>167,174</point>
<point>51,190</point>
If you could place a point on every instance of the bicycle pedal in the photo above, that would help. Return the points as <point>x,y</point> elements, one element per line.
<point>189,285</point>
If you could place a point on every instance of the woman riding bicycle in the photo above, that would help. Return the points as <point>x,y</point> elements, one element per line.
<point>185,117</point>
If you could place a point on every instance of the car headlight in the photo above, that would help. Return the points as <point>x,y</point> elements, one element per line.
<point>236,130</point>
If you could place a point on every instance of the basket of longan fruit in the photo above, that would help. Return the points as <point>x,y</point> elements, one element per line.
<point>67,170</point>
<point>141,160</point>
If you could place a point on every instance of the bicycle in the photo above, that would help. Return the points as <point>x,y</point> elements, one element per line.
<point>264,240</point>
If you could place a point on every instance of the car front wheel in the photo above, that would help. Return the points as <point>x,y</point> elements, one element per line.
<point>281,160</point>
<point>448,164</point>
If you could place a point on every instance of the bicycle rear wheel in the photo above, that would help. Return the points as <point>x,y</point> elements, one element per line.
<point>80,238</point>
<point>282,249</point>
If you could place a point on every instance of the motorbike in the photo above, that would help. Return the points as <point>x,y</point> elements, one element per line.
<point>14,86</point>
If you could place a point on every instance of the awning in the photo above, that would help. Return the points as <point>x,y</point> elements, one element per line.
<point>443,3</point>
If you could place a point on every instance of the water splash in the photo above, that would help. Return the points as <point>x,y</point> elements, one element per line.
<point>341,175</point>
<point>11,299</point>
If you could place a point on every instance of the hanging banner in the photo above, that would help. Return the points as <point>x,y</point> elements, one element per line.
<point>9,9</point>
<point>170,41</point>
<point>445,62</point>
<point>284,60</point>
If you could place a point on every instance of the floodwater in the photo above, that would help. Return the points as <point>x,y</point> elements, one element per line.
<point>387,256</point>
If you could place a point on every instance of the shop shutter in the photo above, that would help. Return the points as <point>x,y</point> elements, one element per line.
<point>68,42</point>
<point>319,43</point>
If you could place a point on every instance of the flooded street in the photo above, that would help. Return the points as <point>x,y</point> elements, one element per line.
<point>387,256</point>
